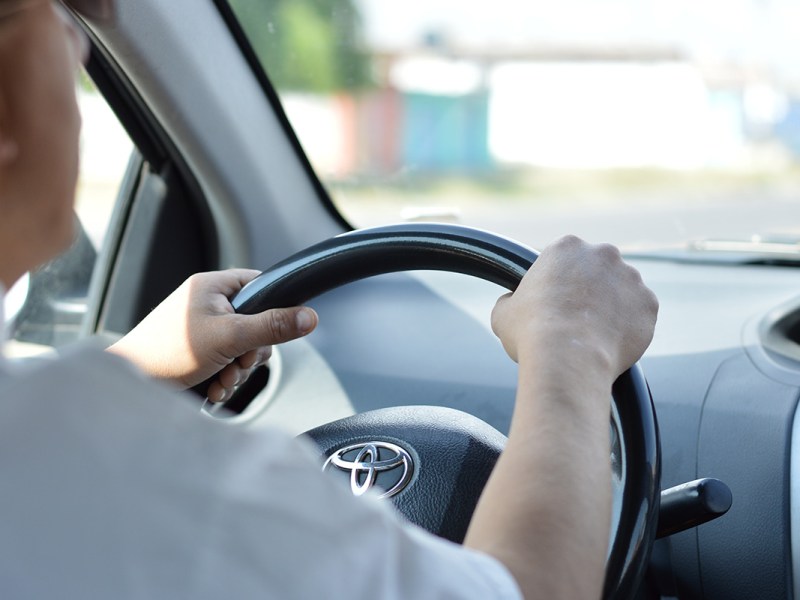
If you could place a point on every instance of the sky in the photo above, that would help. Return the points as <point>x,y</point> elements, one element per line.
<point>756,33</point>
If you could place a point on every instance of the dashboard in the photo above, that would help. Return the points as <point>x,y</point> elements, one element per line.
<point>725,404</point>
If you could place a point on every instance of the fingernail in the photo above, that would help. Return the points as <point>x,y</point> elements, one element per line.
<point>304,320</point>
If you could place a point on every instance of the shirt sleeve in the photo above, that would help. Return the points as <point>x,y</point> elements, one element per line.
<point>113,487</point>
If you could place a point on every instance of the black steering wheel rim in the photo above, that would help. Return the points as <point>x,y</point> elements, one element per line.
<point>364,253</point>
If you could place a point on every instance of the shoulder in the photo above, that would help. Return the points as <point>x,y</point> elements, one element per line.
<point>86,398</point>
<point>84,385</point>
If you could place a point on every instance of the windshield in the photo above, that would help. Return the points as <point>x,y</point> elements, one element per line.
<point>645,123</point>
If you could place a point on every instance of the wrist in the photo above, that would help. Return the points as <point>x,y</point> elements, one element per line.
<point>567,380</point>
<point>567,351</point>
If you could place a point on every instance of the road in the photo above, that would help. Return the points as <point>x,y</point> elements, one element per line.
<point>628,224</point>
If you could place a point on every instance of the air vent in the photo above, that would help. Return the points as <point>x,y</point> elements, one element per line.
<point>780,335</point>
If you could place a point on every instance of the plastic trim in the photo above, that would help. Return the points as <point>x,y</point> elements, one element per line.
<point>240,37</point>
<point>794,502</point>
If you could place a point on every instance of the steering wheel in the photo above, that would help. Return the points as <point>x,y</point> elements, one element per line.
<point>433,462</point>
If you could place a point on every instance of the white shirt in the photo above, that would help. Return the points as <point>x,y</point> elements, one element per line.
<point>115,488</point>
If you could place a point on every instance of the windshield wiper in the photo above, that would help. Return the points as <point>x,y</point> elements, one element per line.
<point>756,245</point>
<point>758,250</point>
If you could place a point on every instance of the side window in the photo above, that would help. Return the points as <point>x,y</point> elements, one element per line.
<point>47,307</point>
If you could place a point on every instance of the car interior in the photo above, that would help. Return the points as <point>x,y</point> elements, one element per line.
<point>218,174</point>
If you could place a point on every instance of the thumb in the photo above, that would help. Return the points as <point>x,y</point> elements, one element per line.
<point>276,326</point>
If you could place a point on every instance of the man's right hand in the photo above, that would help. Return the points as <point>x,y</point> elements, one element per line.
<point>578,298</point>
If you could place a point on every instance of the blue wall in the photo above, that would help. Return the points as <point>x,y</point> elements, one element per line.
<point>445,133</point>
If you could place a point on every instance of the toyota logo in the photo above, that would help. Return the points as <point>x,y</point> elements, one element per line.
<point>365,462</point>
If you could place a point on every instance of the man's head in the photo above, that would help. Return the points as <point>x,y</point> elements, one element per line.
<point>40,52</point>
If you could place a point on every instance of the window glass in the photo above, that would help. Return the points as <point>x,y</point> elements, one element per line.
<point>641,122</point>
<point>48,306</point>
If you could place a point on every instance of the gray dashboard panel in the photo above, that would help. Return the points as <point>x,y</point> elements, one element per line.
<point>392,341</point>
<point>744,440</point>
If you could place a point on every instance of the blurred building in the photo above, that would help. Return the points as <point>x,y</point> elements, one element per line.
<point>576,84</point>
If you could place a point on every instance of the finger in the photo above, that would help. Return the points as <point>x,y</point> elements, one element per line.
<point>230,376</point>
<point>229,392</point>
<point>254,358</point>
<point>216,393</point>
<point>242,276</point>
<point>227,282</point>
<point>274,326</point>
<point>248,359</point>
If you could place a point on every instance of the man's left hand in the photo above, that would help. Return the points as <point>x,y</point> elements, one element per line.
<point>195,334</point>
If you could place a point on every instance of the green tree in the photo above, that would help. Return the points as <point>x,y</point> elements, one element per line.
<point>307,45</point>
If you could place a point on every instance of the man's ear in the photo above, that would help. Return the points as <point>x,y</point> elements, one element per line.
<point>9,149</point>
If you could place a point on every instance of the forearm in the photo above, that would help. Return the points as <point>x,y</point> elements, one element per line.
<point>545,512</point>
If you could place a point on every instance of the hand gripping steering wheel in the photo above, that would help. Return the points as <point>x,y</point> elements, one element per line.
<point>434,461</point>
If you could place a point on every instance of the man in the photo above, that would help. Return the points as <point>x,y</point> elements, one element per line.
<point>115,487</point>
